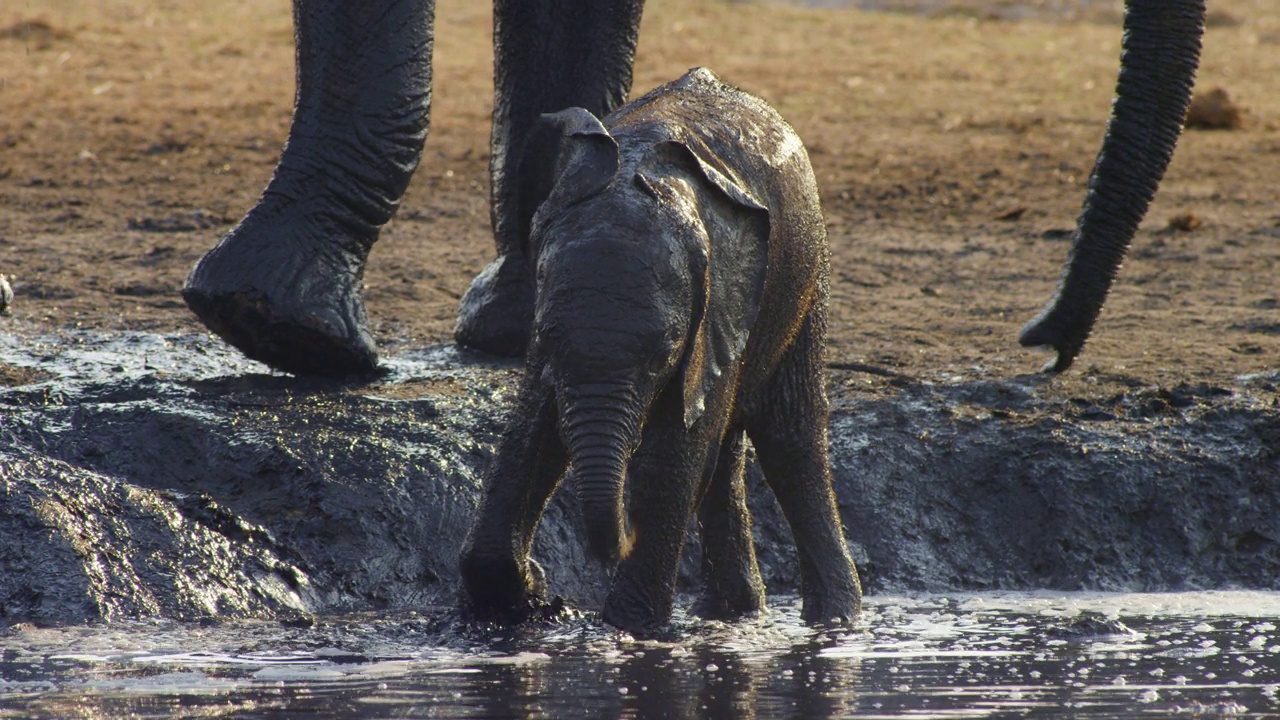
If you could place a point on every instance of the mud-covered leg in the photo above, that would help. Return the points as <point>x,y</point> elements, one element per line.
<point>664,476</point>
<point>731,584</point>
<point>790,436</point>
<point>548,55</point>
<point>499,578</point>
<point>284,285</point>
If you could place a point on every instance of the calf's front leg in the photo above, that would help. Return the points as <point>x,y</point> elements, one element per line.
<point>499,578</point>
<point>731,584</point>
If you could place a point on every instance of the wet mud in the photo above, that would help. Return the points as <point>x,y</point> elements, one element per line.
<point>163,476</point>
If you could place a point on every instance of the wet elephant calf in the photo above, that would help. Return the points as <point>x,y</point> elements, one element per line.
<point>681,281</point>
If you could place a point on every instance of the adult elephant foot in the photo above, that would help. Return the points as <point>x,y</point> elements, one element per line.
<point>497,310</point>
<point>287,301</point>
<point>284,285</point>
<point>548,55</point>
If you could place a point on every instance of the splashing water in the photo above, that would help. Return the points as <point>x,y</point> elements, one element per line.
<point>1214,654</point>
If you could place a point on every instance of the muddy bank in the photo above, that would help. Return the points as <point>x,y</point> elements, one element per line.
<point>149,475</point>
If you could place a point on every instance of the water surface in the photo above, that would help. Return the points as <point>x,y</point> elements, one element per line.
<point>1214,654</point>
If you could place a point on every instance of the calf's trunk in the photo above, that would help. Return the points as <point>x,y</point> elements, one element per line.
<point>600,430</point>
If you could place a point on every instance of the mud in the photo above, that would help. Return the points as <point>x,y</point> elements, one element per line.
<point>149,472</point>
<point>163,476</point>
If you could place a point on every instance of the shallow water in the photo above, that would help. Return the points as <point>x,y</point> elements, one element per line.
<point>1214,654</point>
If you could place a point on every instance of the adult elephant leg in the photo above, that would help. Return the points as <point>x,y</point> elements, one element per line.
<point>548,55</point>
<point>794,459</point>
<point>1161,51</point>
<point>284,285</point>
<point>731,584</point>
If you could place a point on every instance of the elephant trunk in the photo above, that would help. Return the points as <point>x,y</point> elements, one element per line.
<point>600,430</point>
<point>1161,51</point>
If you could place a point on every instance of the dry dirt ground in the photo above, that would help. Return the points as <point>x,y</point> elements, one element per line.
<point>951,147</point>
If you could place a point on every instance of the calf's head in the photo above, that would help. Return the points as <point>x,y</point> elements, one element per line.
<point>648,281</point>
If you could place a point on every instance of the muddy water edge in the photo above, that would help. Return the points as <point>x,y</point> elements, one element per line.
<point>162,476</point>
<point>185,534</point>
<point>1075,655</point>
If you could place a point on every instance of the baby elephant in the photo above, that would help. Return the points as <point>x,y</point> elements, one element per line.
<point>681,290</point>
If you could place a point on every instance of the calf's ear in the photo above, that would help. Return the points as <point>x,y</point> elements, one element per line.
<point>568,157</point>
<point>729,259</point>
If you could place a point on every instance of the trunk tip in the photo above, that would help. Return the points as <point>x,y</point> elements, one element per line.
<point>609,542</point>
<point>1041,334</point>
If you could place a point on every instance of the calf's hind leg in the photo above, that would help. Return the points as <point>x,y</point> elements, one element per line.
<point>731,584</point>
<point>789,432</point>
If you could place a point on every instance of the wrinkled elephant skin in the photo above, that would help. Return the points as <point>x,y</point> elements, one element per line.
<point>1160,56</point>
<point>285,285</point>
<point>664,231</point>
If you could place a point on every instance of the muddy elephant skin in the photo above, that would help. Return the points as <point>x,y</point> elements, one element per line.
<point>680,306</point>
<point>284,285</point>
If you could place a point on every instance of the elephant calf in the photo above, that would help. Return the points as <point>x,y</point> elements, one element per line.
<point>681,282</point>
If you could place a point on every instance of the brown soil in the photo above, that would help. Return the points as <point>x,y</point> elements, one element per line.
<point>951,149</point>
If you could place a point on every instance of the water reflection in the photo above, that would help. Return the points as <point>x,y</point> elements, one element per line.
<point>618,677</point>
<point>1089,656</point>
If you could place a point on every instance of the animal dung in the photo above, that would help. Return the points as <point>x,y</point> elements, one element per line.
<point>1214,110</point>
<point>1185,222</point>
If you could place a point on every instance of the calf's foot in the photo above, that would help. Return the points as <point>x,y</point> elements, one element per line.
<point>833,606</point>
<point>742,600</point>
<point>502,589</point>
